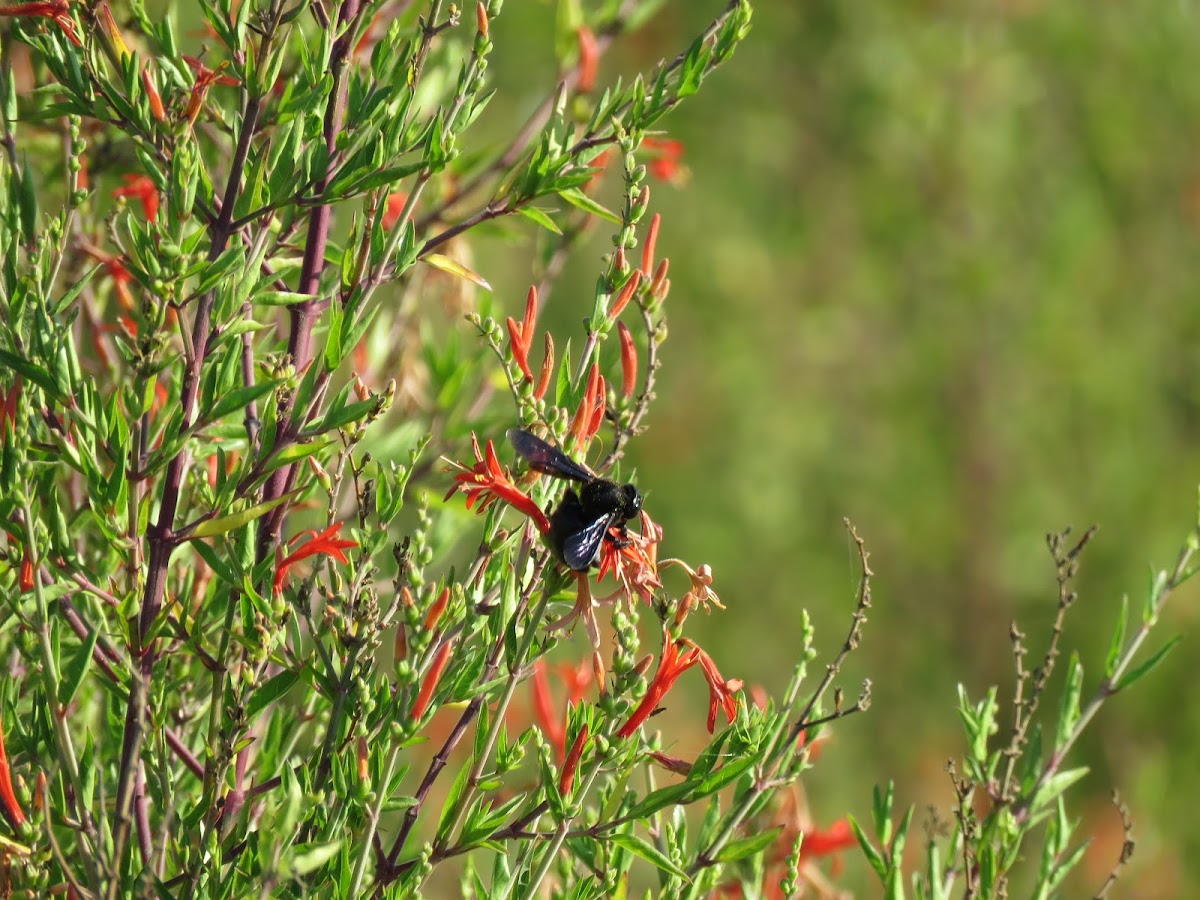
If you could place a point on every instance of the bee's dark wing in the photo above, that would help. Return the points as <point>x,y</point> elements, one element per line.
<point>581,548</point>
<point>546,457</point>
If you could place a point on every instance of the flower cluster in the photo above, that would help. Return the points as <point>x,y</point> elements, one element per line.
<point>487,481</point>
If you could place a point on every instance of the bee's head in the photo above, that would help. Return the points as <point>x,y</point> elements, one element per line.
<point>631,501</point>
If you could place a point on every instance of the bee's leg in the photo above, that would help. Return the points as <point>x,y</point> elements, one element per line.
<point>620,542</point>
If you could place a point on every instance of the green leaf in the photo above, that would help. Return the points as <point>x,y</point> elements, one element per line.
<point>656,800</point>
<point>238,519</point>
<point>727,774</point>
<point>648,852</point>
<point>37,375</point>
<point>533,214</point>
<point>579,199</point>
<point>279,298</point>
<point>315,856</point>
<point>1118,640</point>
<point>216,563</point>
<point>241,398</point>
<point>274,688</point>
<point>874,857</point>
<point>1134,674</point>
<point>77,668</point>
<point>352,412</point>
<point>750,846</point>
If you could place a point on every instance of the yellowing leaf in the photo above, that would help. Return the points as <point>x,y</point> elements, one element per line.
<point>446,264</point>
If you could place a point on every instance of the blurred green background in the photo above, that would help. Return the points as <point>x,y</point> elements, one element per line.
<point>936,270</point>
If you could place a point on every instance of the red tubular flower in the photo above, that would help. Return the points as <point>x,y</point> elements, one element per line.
<point>589,58</point>
<point>671,665</point>
<point>721,692</point>
<point>481,19</point>
<point>838,836</point>
<point>394,204</point>
<point>543,710</point>
<point>487,481</point>
<point>156,104</point>
<point>599,404</point>
<point>327,542</point>
<point>520,334</point>
<point>599,164</point>
<point>516,340</point>
<point>543,382</point>
<point>142,189</point>
<point>585,415</point>
<point>8,798</point>
<point>435,611</point>
<point>205,79</point>
<point>625,296</point>
<point>25,579</point>
<point>648,247</point>
<point>665,159</point>
<point>566,780</point>
<point>432,677</point>
<point>57,11</point>
<point>633,561</point>
<point>8,408</point>
<point>629,361</point>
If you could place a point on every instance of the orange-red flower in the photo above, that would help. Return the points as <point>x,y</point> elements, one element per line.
<point>487,481</point>
<point>838,836</point>
<point>589,58</point>
<point>205,79</point>
<point>629,361</point>
<point>598,167</point>
<point>671,665</point>
<point>8,408</point>
<point>577,680</point>
<point>520,334</point>
<point>626,295</point>
<point>648,248</point>
<point>57,11</point>
<point>8,798</point>
<point>142,189</point>
<point>633,559</point>
<point>722,693</point>
<point>432,677</point>
<point>566,780</point>
<point>155,98</point>
<point>665,159</point>
<point>327,543</point>
<point>543,382</point>
<point>590,414</point>
<point>393,207</point>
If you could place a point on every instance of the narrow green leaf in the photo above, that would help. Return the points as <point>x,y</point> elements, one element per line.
<point>241,398</point>
<point>656,800</point>
<point>723,776</point>
<point>236,520</point>
<point>533,214</point>
<point>1118,640</point>
<point>580,200</point>
<point>1137,672</point>
<point>745,847</point>
<point>36,374</point>
<point>77,668</point>
<point>315,856</point>
<point>274,688</point>
<point>874,857</point>
<point>648,852</point>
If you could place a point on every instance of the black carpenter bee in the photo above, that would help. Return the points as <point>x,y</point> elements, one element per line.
<point>580,522</point>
